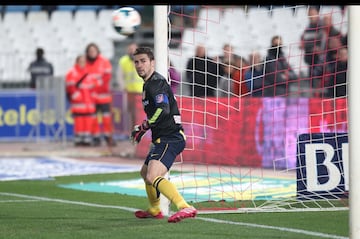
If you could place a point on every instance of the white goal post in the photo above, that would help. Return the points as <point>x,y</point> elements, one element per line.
<point>161,57</point>
<point>354,119</point>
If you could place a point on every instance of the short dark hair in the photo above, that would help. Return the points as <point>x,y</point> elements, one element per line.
<point>145,50</point>
<point>39,52</point>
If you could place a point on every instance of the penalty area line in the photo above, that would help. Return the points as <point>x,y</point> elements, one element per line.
<point>297,231</point>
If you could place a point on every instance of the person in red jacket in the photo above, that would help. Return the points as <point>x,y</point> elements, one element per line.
<point>100,68</point>
<point>238,75</point>
<point>80,90</point>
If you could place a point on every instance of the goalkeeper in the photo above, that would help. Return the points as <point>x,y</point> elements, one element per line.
<point>168,139</point>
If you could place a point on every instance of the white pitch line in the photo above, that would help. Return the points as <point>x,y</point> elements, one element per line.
<point>68,201</point>
<point>29,200</point>
<point>298,231</point>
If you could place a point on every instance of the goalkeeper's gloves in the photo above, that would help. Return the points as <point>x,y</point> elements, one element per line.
<point>139,131</point>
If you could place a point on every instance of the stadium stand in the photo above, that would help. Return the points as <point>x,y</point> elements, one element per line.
<point>65,32</point>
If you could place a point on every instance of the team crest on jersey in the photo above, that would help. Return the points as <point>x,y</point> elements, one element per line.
<point>159,98</point>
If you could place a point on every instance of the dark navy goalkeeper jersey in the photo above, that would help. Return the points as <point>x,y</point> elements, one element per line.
<point>160,107</point>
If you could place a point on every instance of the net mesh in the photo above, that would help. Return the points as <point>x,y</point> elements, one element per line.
<point>264,106</point>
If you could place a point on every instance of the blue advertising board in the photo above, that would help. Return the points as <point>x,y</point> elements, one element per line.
<point>20,118</point>
<point>322,166</point>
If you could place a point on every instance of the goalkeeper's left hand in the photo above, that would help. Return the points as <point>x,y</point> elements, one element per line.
<point>139,131</point>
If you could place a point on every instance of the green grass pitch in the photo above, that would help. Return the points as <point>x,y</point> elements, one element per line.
<point>41,209</point>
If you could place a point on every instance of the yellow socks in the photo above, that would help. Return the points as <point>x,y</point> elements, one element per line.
<point>154,199</point>
<point>169,190</point>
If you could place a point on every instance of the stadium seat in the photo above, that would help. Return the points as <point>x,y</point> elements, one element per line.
<point>24,45</point>
<point>45,36</point>
<point>285,25</point>
<point>260,31</point>
<point>280,16</point>
<point>104,17</point>
<point>258,16</point>
<point>232,15</point>
<point>95,8</point>
<point>207,15</point>
<point>34,8</point>
<point>191,37</point>
<point>12,71</point>
<point>48,43</point>
<point>38,17</point>
<point>61,19</point>
<point>70,8</point>
<point>84,19</point>
<point>14,19</point>
<point>42,30</point>
<point>92,34</point>
<point>5,41</point>
<point>336,15</point>
<point>17,8</point>
<point>17,26</point>
<point>301,16</point>
<point>60,62</point>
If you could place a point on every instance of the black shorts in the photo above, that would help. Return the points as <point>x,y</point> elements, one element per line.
<point>165,149</point>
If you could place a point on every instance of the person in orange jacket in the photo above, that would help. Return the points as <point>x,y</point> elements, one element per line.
<point>100,68</point>
<point>80,90</point>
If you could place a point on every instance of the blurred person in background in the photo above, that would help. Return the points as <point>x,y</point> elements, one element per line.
<point>328,67</point>
<point>202,73</point>
<point>332,41</point>
<point>254,75</point>
<point>329,29</point>
<point>40,67</point>
<point>240,88</point>
<point>175,77</point>
<point>131,84</point>
<point>335,82</point>
<point>100,68</point>
<point>226,62</point>
<point>278,72</point>
<point>80,91</point>
<point>311,44</point>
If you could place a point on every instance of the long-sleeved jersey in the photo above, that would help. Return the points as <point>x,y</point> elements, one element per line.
<point>160,107</point>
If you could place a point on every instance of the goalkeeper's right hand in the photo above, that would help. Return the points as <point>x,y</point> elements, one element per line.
<point>139,131</point>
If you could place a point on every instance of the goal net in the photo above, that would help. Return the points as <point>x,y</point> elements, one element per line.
<point>263,99</point>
